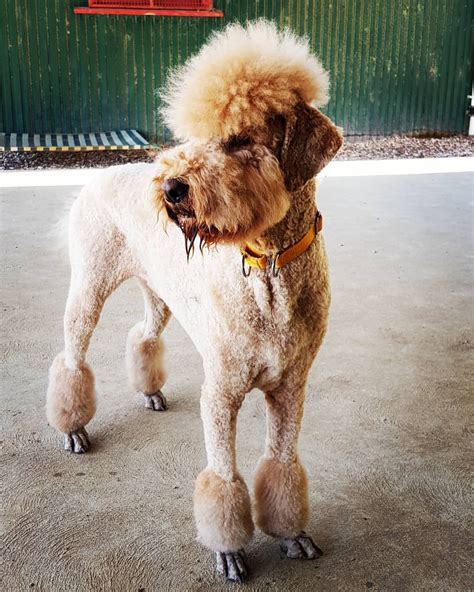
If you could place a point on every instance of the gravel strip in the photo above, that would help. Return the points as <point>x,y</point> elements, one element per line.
<point>393,147</point>
<point>396,147</point>
<point>71,160</point>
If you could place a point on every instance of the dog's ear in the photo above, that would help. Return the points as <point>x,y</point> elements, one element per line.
<point>310,141</point>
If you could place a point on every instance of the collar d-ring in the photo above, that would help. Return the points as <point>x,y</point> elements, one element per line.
<point>246,271</point>
<point>275,267</point>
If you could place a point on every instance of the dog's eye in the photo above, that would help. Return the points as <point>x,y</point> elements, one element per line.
<point>236,143</point>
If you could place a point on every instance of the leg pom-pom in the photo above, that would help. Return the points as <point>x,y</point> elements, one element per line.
<point>70,400</point>
<point>222,511</point>
<point>144,361</point>
<point>281,497</point>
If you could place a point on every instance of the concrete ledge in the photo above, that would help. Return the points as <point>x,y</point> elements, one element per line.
<point>408,166</point>
<point>350,168</point>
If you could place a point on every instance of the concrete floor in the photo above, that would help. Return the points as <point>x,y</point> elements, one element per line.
<point>385,436</point>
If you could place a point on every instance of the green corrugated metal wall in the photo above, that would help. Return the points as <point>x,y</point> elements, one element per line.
<point>396,66</point>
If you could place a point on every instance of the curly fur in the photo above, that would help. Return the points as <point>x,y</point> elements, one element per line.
<point>240,76</point>
<point>144,359</point>
<point>70,400</point>
<point>222,511</point>
<point>281,497</point>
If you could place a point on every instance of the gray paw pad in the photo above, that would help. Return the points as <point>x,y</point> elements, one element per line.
<point>156,401</point>
<point>301,547</point>
<point>77,441</point>
<point>232,566</point>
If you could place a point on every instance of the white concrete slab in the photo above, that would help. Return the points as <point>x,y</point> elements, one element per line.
<point>353,168</point>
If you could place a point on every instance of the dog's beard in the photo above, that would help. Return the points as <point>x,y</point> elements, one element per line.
<point>186,220</point>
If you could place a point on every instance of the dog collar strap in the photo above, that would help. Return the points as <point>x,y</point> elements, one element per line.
<point>253,257</point>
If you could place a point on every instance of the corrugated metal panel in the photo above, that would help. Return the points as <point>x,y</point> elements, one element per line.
<point>396,67</point>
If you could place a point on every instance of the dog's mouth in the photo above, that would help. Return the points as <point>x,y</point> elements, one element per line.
<point>185,218</point>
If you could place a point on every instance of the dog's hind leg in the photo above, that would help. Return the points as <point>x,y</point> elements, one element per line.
<point>221,501</point>
<point>145,351</point>
<point>281,490</point>
<point>98,266</point>
<point>71,394</point>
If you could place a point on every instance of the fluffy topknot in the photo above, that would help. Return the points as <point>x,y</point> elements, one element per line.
<point>238,78</point>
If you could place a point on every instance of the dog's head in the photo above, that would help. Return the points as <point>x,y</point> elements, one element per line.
<point>243,107</point>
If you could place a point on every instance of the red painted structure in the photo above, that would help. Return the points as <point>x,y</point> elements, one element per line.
<point>202,8</point>
<point>156,4</point>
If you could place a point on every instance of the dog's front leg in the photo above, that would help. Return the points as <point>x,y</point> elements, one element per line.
<point>281,489</point>
<point>221,501</point>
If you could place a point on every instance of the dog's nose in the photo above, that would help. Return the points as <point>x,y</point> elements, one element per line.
<point>175,190</point>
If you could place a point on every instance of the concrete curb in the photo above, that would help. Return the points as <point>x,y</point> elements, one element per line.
<point>349,168</point>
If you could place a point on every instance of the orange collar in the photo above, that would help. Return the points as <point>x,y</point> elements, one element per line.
<point>252,256</point>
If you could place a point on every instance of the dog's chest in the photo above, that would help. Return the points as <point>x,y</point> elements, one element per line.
<point>269,304</point>
<point>275,329</point>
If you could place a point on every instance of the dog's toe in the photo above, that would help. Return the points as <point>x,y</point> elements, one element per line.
<point>156,401</point>
<point>232,566</point>
<point>301,547</point>
<point>77,441</point>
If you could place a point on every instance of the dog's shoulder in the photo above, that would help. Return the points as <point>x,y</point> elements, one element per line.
<point>124,176</point>
<point>120,184</point>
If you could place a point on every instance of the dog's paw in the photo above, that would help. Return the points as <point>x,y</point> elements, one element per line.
<point>77,441</point>
<point>232,566</point>
<point>156,401</point>
<point>301,547</point>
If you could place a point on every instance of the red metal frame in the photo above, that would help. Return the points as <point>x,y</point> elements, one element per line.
<point>153,4</point>
<point>149,12</point>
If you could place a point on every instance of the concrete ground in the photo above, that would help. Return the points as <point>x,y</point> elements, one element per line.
<point>385,436</point>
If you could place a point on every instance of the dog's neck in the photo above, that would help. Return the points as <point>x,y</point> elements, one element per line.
<point>295,224</point>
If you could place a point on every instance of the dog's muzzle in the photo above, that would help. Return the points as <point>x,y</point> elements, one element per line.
<point>175,190</point>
